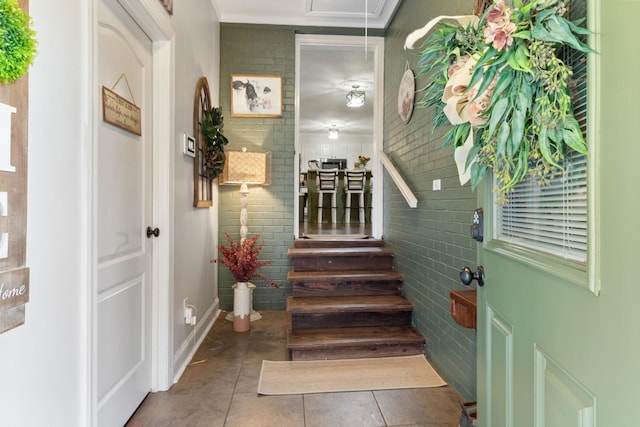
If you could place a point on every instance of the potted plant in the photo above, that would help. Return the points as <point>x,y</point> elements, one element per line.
<point>242,260</point>
<point>17,41</point>
<point>501,84</point>
<point>211,124</point>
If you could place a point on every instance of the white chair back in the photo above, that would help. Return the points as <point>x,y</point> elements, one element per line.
<point>354,180</point>
<point>327,179</point>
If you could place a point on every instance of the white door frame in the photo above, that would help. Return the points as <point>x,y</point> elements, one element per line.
<point>154,21</point>
<point>376,168</point>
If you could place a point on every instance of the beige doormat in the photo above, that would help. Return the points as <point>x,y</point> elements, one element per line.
<point>335,236</point>
<point>326,376</point>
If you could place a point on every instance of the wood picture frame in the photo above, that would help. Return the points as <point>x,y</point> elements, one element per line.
<point>254,95</point>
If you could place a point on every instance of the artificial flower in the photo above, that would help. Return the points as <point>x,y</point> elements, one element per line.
<point>242,259</point>
<point>501,83</point>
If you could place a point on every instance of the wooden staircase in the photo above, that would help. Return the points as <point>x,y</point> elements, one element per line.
<point>347,302</point>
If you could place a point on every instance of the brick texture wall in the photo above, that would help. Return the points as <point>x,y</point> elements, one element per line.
<point>431,242</point>
<point>263,50</point>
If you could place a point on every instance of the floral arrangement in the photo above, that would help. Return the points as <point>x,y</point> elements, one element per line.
<point>363,160</point>
<point>242,259</point>
<point>211,125</point>
<point>500,82</point>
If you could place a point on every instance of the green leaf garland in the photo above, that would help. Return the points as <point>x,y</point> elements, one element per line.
<point>515,98</point>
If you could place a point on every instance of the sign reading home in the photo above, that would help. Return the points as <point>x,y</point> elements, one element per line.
<point>14,275</point>
<point>14,288</point>
<point>120,112</point>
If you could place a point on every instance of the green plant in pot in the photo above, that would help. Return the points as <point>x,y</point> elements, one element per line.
<point>211,125</point>
<point>17,41</point>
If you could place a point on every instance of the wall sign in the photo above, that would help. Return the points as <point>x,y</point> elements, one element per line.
<point>406,94</point>
<point>14,274</point>
<point>120,112</point>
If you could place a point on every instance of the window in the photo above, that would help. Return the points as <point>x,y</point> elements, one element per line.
<point>553,219</point>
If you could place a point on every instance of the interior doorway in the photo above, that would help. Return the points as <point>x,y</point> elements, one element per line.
<point>328,68</point>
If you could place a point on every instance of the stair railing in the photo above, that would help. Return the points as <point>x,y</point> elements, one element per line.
<point>398,180</point>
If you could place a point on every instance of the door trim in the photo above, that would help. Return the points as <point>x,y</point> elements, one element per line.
<point>377,213</point>
<point>154,21</point>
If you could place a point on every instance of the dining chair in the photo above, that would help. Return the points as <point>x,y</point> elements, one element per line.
<point>327,183</point>
<point>354,184</point>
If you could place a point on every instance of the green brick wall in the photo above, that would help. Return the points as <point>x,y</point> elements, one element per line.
<point>271,51</point>
<point>432,242</point>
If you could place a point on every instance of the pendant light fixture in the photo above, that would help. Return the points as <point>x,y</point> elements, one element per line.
<point>355,98</point>
<point>333,132</point>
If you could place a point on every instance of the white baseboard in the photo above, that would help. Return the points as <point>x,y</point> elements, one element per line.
<point>189,346</point>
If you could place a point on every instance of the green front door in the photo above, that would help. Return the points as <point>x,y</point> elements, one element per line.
<point>559,345</point>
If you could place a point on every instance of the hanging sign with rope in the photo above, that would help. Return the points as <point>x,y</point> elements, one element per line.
<point>119,111</point>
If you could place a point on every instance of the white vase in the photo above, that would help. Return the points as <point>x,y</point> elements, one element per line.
<point>241,307</point>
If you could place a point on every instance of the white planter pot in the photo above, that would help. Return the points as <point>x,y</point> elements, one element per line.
<point>241,307</point>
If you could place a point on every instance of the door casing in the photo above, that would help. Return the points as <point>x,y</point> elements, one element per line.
<point>376,169</point>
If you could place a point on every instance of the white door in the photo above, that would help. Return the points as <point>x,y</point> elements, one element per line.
<point>124,201</point>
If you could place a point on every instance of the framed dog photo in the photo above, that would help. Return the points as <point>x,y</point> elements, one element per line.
<point>255,95</point>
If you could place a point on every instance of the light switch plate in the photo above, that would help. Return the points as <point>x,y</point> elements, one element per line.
<point>437,184</point>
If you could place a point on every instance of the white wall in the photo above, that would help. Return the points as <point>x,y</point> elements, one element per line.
<point>195,229</point>
<point>44,377</point>
<point>43,364</point>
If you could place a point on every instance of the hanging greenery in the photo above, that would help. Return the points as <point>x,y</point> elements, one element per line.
<point>17,41</point>
<point>500,82</point>
<point>211,125</point>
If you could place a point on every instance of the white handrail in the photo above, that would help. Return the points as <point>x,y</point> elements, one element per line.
<point>399,181</point>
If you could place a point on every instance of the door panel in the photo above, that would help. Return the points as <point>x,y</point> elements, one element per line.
<point>561,401</point>
<point>124,252</point>
<point>499,368</point>
<point>523,309</point>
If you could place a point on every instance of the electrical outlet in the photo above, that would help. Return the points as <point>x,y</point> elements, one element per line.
<point>436,185</point>
<point>189,318</point>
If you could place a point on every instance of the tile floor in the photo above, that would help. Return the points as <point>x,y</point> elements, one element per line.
<point>218,389</point>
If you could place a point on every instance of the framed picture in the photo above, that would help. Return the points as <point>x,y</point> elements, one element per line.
<point>256,95</point>
<point>168,4</point>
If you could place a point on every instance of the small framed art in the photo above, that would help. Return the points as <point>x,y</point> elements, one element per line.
<point>256,95</point>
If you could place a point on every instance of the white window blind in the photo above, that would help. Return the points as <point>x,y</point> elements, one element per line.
<point>553,218</point>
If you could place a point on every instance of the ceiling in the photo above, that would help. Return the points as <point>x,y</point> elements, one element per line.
<point>323,13</point>
<point>327,73</point>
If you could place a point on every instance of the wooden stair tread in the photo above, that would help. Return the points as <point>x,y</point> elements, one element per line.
<point>337,242</point>
<point>350,304</point>
<point>347,302</point>
<point>344,275</point>
<point>349,337</point>
<point>348,251</point>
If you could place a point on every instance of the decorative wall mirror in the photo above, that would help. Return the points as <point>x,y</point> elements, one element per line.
<point>202,195</point>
